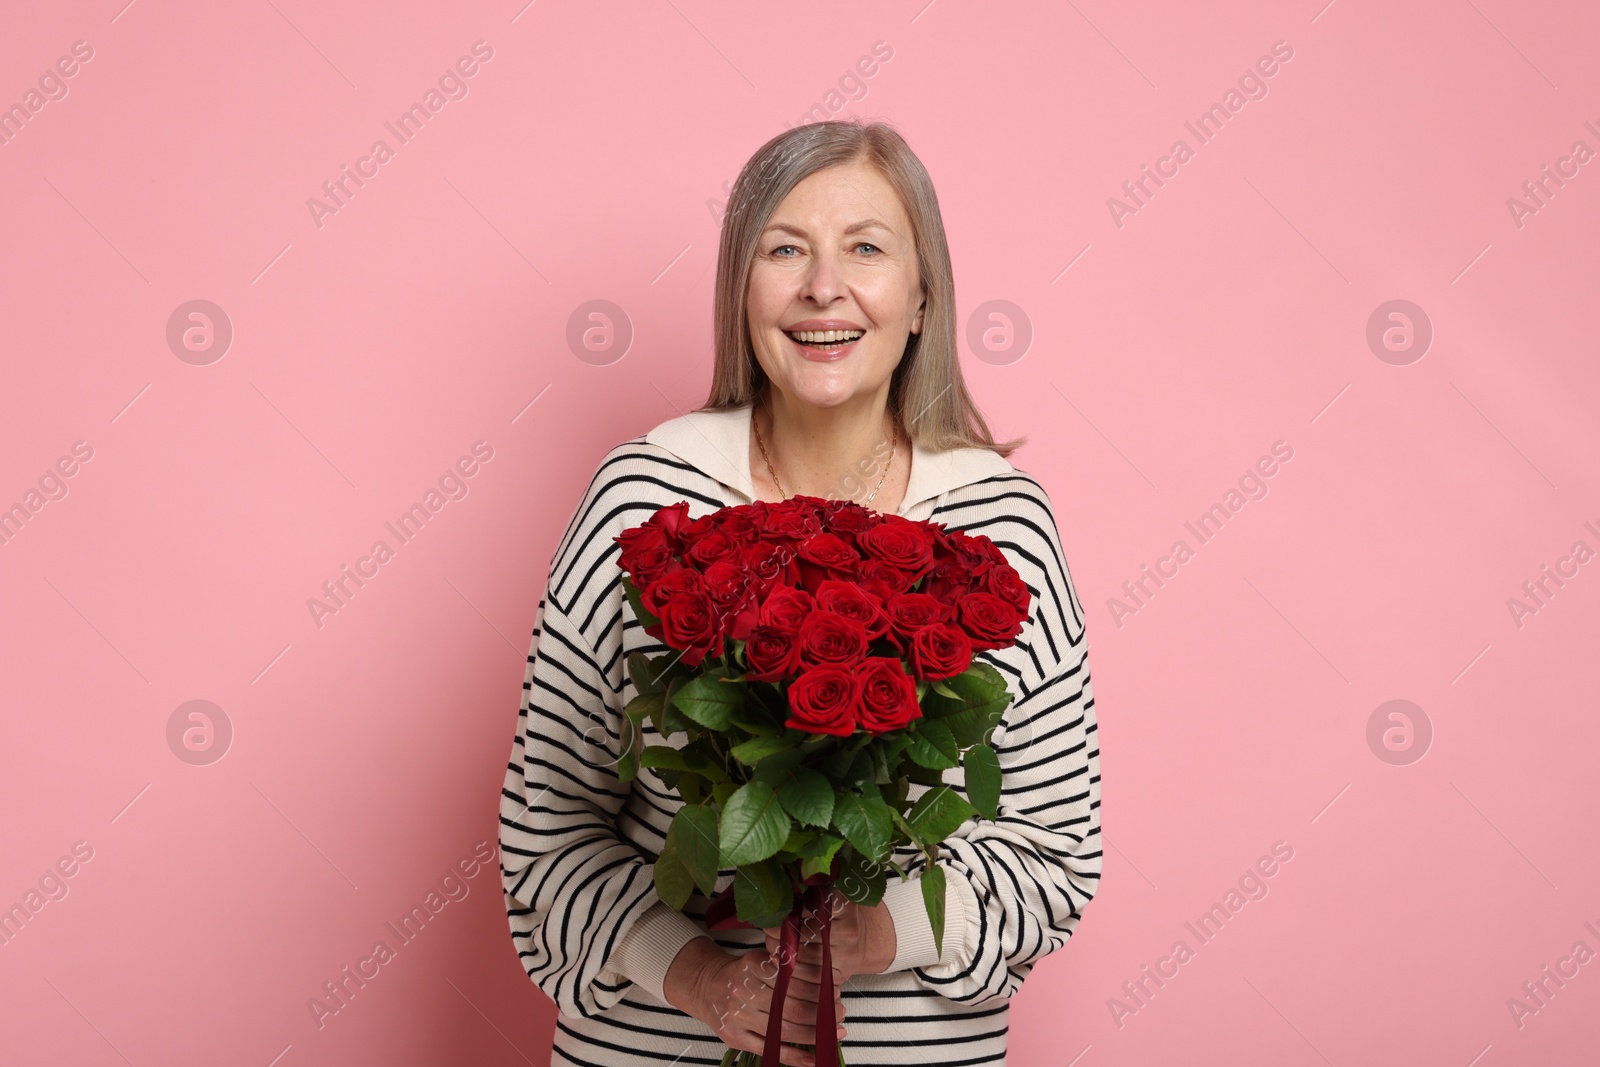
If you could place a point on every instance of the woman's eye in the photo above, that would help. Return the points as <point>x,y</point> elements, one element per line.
<point>780,248</point>
<point>867,244</point>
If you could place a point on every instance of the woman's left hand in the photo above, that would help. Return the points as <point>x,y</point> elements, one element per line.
<point>861,940</point>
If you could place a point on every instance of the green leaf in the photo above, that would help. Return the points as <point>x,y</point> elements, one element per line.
<point>980,687</point>
<point>862,880</point>
<point>692,788</point>
<point>639,610</point>
<point>938,813</point>
<point>710,700</point>
<point>722,792</point>
<point>817,857</point>
<point>933,746</point>
<point>799,839</point>
<point>892,746</point>
<point>638,709</point>
<point>756,749</point>
<point>754,825</point>
<point>672,720</point>
<point>981,766</point>
<point>865,821</point>
<point>644,674</point>
<point>933,887</point>
<point>902,789</point>
<point>808,796</point>
<point>880,766</point>
<point>693,836</point>
<point>665,757</point>
<point>863,772</point>
<point>672,879</point>
<point>906,828</point>
<point>775,768</point>
<point>762,895</point>
<point>760,729</point>
<point>974,725</point>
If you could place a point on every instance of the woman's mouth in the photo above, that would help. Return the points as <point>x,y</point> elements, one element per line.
<point>824,344</point>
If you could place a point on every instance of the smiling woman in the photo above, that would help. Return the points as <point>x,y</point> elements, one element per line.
<point>835,357</point>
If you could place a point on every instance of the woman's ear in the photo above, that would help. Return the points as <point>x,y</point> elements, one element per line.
<point>916,321</point>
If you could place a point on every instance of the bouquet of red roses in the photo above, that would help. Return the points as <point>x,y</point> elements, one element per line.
<point>821,661</point>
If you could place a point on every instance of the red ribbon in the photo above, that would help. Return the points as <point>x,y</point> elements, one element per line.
<point>722,914</point>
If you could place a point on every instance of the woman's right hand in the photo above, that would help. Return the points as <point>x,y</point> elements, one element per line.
<point>732,994</point>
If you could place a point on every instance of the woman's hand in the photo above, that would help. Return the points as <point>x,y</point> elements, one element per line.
<point>732,994</point>
<point>861,940</point>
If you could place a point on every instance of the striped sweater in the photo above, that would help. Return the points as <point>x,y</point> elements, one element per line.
<point>577,844</point>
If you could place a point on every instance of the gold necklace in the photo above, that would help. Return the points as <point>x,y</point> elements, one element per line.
<point>893,451</point>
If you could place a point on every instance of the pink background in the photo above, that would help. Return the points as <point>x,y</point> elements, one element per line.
<point>1167,354</point>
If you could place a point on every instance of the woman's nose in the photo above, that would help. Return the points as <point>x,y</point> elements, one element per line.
<point>824,280</point>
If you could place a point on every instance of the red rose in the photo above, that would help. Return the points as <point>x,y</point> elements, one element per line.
<point>647,553</point>
<point>910,612</point>
<point>823,701</point>
<point>688,622</point>
<point>785,608</point>
<point>829,638</point>
<point>695,529</point>
<point>988,620</point>
<point>671,521</point>
<point>732,592</point>
<point>940,650</point>
<point>738,523</point>
<point>795,519</point>
<point>714,546</point>
<point>771,654</point>
<point>887,695</point>
<point>849,519</point>
<point>880,571</point>
<point>658,592</point>
<point>977,554</point>
<point>877,590</point>
<point>1004,582</point>
<point>904,545</point>
<point>849,600</point>
<point>948,582</point>
<point>826,556</point>
<point>771,562</point>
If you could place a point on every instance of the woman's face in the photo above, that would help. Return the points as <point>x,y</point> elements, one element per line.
<point>837,255</point>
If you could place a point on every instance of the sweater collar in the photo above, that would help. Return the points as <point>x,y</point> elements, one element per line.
<point>717,443</point>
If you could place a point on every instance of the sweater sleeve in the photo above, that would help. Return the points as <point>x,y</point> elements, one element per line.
<point>584,914</point>
<point>1015,887</point>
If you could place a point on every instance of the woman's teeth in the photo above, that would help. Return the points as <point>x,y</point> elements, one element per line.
<point>825,338</point>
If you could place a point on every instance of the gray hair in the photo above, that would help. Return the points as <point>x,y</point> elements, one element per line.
<point>927,395</point>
